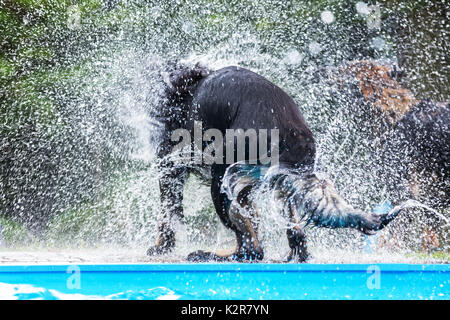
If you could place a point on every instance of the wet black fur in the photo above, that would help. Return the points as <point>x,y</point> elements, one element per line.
<point>419,144</point>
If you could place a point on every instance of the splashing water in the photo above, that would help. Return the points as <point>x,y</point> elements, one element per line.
<point>30,292</point>
<point>80,85</point>
<point>416,204</point>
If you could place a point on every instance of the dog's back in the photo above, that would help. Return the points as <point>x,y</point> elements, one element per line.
<point>427,129</point>
<point>237,98</point>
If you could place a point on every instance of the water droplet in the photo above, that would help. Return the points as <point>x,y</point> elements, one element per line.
<point>314,48</point>
<point>293,57</point>
<point>327,16</point>
<point>378,43</point>
<point>362,8</point>
<point>187,27</point>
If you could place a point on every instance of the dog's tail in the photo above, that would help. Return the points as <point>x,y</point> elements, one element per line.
<point>311,198</point>
<point>315,200</point>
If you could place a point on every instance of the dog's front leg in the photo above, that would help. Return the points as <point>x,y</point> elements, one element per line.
<point>171,186</point>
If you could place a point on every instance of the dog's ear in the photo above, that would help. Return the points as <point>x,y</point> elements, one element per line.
<point>184,80</point>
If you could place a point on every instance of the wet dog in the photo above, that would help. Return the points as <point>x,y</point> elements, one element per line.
<point>235,98</point>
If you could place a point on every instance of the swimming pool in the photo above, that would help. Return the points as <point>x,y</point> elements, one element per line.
<point>225,281</point>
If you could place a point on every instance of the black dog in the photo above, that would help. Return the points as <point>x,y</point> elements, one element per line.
<point>418,146</point>
<point>236,98</point>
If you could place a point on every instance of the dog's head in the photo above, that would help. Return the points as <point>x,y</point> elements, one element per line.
<point>181,77</point>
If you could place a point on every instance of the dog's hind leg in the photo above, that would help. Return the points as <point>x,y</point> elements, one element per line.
<point>296,239</point>
<point>245,218</point>
<point>222,205</point>
<point>244,226</point>
<point>248,246</point>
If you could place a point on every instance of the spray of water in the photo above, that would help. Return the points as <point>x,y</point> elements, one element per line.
<point>80,84</point>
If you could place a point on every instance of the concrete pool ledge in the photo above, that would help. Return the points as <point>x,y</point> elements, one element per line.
<point>226,267</point>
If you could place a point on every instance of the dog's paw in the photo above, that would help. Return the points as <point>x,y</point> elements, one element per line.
<point>298,256</point>
<point>252,256</point>
<point>158,250</point>
<point>204,256</point>
<point>199,256</point>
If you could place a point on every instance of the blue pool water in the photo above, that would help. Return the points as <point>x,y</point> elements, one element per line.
<point>226,281</point>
